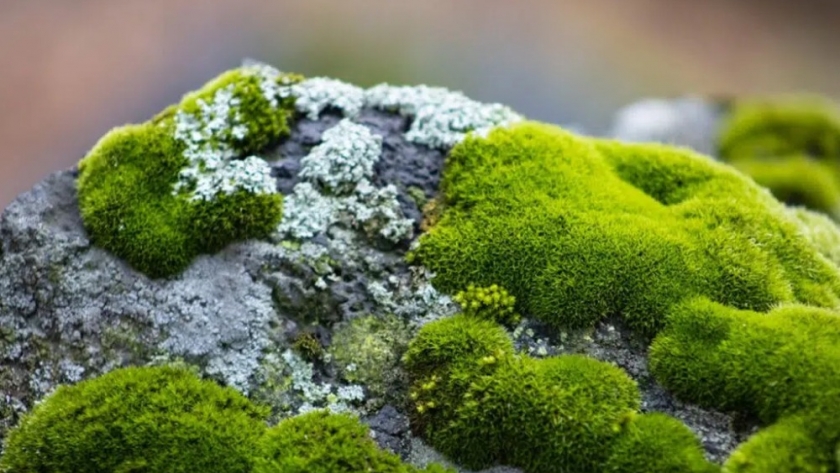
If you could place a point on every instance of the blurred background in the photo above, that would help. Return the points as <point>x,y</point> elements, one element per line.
<point>73,69</point>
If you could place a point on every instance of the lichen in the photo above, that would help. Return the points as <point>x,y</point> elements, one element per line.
<point>440,118</point>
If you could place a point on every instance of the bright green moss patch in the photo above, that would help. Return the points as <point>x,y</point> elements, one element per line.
<point>482,405</point>
<point>767,365</point>
<point>491,303</point>
<point>820,230</point>
<point>778,366</point>
<point>787,446</point>
<point>656,443</point>
<point>137,419</point>
<point>577,229</point>
<point>136,201</point>
<point>790,145</point>
<point>319,442</point>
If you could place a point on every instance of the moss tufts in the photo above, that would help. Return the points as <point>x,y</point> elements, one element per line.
<point>307,345</point>
<point>160,419</point>
<point>578,228</point>
<point>790,145</point>
<point>776,366</point>
<point>656,443</point>
<point>787,446</point>
<point>482,405</point>
<point>491,303</point>
<point>160,193</point>
<point>319,442</point>
<point>820,231</point>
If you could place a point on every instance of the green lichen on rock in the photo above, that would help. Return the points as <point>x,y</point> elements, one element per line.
<point>319,442</point>
<point>160,419</point>
<point>790,145</point>
<point>775,366</point>
<point>184,183</point>
<point>367,350</point>
<point>482,405</point>
<point>578,229</point>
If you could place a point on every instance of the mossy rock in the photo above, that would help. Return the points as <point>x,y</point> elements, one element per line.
<point>154,419</point>
<point>578,229</point>
<point>789,144</point>
<point>128,186</point>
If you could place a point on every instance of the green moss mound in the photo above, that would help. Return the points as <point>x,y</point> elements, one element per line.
<point>126,182</point>
<point>790,145</point>
<point>820,231</point>
<point>577,229</point>
<point>482,405</point>
<point>780,367</point>
<point>149,420</point>
<point>792,445</point>
<point>656,443</point>
<point>320,442</point>
<point>491,303</point>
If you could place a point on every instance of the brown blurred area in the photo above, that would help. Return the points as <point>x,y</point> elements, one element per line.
<point>73,69</point>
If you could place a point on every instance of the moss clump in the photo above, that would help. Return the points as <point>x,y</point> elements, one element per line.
<point>775,366</point>
<point>367,350</point>
<point>319,442</point>
<point>790,145</point>
<point>482,405</point>
<point>491,303</point>
<point>159,419</point>
<point>308,346</point>
<point>820,230</point>
<point>656,443</point>
<point>128,185</point>
<point>789,445</point>
<point>578,228</point>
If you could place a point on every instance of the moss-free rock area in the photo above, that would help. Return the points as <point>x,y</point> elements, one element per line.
<point>290,274</point>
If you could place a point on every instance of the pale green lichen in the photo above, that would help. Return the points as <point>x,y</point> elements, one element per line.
<point>367,350</point>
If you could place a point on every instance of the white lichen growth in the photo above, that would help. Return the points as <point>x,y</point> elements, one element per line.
<point>441,118</point>
<point>208,135</point>
<point>312,96</point>
<point>345,157</point>
<point>336,189</point>
<point>316,395</point>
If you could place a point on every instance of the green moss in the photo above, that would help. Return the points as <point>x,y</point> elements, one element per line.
<point>319,442</point>
<point>491,303</point>
<point>783,367</point>
<point>764,364</point>
<point>790,145</point>
<point>482,405</point>
<point>367,350</point>
<point>126,183</point>
<point>578,228</point>
<point>308,346</point>
<point>656,443</point>
<point>785,447</point>
<point>158,419</point>
<point>820,231</point>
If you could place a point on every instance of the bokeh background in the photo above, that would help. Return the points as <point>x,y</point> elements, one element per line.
<point>72,69</point>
